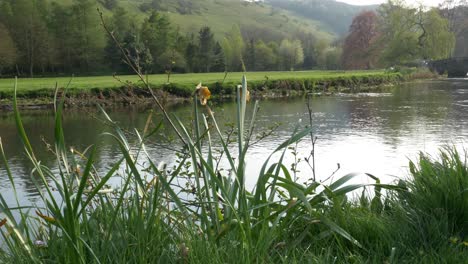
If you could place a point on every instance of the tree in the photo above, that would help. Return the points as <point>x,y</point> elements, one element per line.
<point>218,59</point>
<point>308,44</point>
<point>265,57</point>
<point>320,50</point>
<point>87,35</point>
<point>191,54</point>
<point>138,52</point>
<point>61,28</point>
<point>123,28</point>
<point>206,45</point>
<point>28,32</point>
<point>7,49</point>
<point>410,34</point>
<point>233,47</point>
<point>250,55</point>
<point>358,50</point>
<point>291,53</point>
<point>437,42</point>
<point>456,12</point>
<point>156,36</point>
<point>333,58</point>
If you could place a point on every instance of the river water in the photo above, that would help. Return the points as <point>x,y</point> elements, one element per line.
<point>369,132</point>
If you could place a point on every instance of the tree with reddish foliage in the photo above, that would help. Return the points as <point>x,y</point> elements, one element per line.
<point>358,50</point>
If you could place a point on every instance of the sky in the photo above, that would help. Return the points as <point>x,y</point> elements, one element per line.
<point>373,2</point>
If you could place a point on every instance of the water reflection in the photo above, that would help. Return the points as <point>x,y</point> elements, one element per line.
<point>374,133</point>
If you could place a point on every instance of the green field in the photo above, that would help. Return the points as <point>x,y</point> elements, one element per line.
<point>101,82</point>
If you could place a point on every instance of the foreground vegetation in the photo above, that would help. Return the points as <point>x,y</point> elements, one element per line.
<point>206,214</point>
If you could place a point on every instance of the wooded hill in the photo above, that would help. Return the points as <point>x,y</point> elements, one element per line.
<point>270,20</point>
<point>49,37</point>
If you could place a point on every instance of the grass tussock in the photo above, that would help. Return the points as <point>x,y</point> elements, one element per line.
<point>212,217</point>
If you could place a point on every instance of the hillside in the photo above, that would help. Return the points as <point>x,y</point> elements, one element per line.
<point>333,16</point>
<point>270,20</point>
<point>259,20</point>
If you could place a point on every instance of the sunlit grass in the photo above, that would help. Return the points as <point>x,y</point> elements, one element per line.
<point>26,84</point>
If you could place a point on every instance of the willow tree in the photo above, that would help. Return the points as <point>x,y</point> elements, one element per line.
<point>410,34</point>
<point>438,41</point>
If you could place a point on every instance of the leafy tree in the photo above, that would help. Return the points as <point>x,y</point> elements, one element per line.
<point>61,31</point>
<point>266,58</point>
<point>233,47</point>
<point>358,51</point>
<point>138,52</point>
<point>7,49</point>
<point>320,50</point>
<point>308,44</point>
<point>123,27</point>
<point>291,53</point>
<point>87,35</point>
<point>250,56</point>
<point>438,42</point>
<point>456,12</point>
<point>333,58</point>
<point>206,45</point>
<point>173,61</point>
<point>410,34</point>
<point>156,35</point>
<point>6,12</point>
<point>29,33</point>
<point>218,59</point>
<point>191,53</point>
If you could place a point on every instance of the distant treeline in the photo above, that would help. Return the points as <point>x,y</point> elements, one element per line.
<point>39,37</point>
<point>42,38</point>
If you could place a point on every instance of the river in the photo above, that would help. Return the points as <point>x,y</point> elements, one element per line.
<point>377,133</point>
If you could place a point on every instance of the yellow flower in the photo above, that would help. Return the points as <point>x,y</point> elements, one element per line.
<point>203,93</point>
<point>45,217</point>
<point>247,96</point>
<point>3,222</point>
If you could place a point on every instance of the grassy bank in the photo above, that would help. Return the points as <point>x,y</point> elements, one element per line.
<point>92,89</point>
<point>205,214</point>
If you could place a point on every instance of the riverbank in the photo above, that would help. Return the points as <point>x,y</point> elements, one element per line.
<point>126,90</point>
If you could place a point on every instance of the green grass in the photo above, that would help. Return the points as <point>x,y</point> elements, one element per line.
<point>158,80</point>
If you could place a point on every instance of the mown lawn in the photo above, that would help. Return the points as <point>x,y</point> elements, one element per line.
<point>28,84</point>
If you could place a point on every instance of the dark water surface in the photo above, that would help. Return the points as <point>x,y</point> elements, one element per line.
<point>375,133</point>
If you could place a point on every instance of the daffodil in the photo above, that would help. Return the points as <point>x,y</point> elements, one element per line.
<point>45,217</point>
<point>203,93</point>
<point>3,222</point>
<point>247,95</point>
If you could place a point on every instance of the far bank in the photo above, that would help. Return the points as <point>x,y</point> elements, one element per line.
<point>126,90</point>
